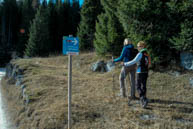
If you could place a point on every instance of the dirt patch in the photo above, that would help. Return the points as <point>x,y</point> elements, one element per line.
<point>95,104</point>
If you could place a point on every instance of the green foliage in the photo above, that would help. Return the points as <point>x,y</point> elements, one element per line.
<point>109,33</point>
<point>39,40</point>
<point>9,17</point>
<point>73,17</point>
<point>101,41</point>
<point>165,25</point>
<point>182,41</point>
<point>89,12</point>
<point>67,20</point>
<point>151,21</point>
<point>53,27</point>
<point>27,14</point>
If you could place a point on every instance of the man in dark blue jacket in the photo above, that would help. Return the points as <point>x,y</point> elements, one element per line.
<point>125,57</point>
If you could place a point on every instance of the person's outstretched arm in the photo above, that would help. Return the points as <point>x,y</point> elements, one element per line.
<point>121,56</point>
<point>135,60</point>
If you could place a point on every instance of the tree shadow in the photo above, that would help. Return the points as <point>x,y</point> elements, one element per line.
<point>168,102</point>
<point>172,106</point>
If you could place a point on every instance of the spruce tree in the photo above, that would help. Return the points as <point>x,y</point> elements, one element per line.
<point>27,15</point>
<point>89,12</point>
<point>109,33</point>
<point>149,21</point>
<point>10,15</point>
<point>74,17</point>
<point>52,24</point>
<point>62,23</point>
<point>39,40</point>
<point>101,40</point>
<point>182,39</point>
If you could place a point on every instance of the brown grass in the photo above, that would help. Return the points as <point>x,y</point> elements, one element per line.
<point>95,104</point>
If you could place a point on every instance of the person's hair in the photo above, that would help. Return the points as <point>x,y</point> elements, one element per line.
<point>127,41</point>
<point>141,43</point>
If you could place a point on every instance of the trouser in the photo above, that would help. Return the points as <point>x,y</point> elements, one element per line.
<point>141,84</point>
<point>124,71</point>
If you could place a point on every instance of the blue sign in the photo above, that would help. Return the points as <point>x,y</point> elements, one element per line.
<point>70,45</point>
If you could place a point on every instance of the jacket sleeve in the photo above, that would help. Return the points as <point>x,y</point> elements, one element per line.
<point>122,55</point>
<point>135,60</point>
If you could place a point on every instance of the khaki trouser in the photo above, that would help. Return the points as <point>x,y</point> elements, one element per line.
<point>124,71</point>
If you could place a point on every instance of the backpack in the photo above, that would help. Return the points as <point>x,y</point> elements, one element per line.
<point>134,52</point>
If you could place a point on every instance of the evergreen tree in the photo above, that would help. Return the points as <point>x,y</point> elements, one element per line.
<point>39,40</point>
<point>67,21</point>
<point>183,42</point>
<point>150,21</point>
<point>10,23</point>
<point>62,23</point>
<point>27,14</point>
<point>109,34</point>
<point>101,40</point>
<point>182,39</point>
<point>35,4</point>
<point>74,17</point>
<point>52,15</point>
<point>89,12</point>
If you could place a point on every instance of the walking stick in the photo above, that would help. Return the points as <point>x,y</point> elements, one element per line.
<point>113,75</point>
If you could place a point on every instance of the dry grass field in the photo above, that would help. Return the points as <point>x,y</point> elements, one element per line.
<point>95,104</point>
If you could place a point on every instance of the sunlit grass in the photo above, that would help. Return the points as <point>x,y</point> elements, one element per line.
<point>95,104</point>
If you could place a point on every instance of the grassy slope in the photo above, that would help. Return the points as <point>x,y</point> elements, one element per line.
<point>94,101</point>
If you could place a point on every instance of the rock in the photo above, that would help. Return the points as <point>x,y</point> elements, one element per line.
<point>99,66</point>
<point>187,60</point>
<point>148,117</point>
<point>175,73</point>
<point>191,82</point>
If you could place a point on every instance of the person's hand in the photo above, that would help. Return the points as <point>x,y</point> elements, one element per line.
<point>112,60</point>
<point>122,64</point>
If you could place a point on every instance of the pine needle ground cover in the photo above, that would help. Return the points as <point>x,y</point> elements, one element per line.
<point>95,104</point>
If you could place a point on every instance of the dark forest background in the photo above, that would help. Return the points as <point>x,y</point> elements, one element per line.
<point>31,29</point>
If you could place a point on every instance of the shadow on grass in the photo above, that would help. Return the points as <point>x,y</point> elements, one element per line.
<point>171,105</point>
<point>168,102</point>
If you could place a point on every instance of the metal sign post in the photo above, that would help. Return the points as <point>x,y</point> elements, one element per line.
<point>69,89</point>
<point>70,47</point>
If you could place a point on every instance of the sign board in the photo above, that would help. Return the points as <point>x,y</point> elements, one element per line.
<point>70,45</point>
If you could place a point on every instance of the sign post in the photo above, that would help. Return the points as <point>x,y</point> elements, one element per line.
<point>70,47</point>
<point>69,89</point>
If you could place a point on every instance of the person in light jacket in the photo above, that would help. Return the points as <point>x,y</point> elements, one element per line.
<point>125,57</point>
<point>142,60</point>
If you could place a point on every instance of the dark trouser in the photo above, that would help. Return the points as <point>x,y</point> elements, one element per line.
<point>141,84</point>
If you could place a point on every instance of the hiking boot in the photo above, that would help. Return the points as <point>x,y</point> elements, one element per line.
<point>132,98</point>
<point>121,95</point>
<point>145,102</point>
<point>142,101</point>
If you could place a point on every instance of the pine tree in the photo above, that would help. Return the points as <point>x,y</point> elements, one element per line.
<point>39,40</point>
<point>35,4</point>
<point>52,15</point>
<point>74,17</point>
<point>89,12</point>
<point>27,14</point>
<point>109,34</point>
<point>182,39</point>
<point>10,15</point>
<point>62,23</point>
<point>149,21</point>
